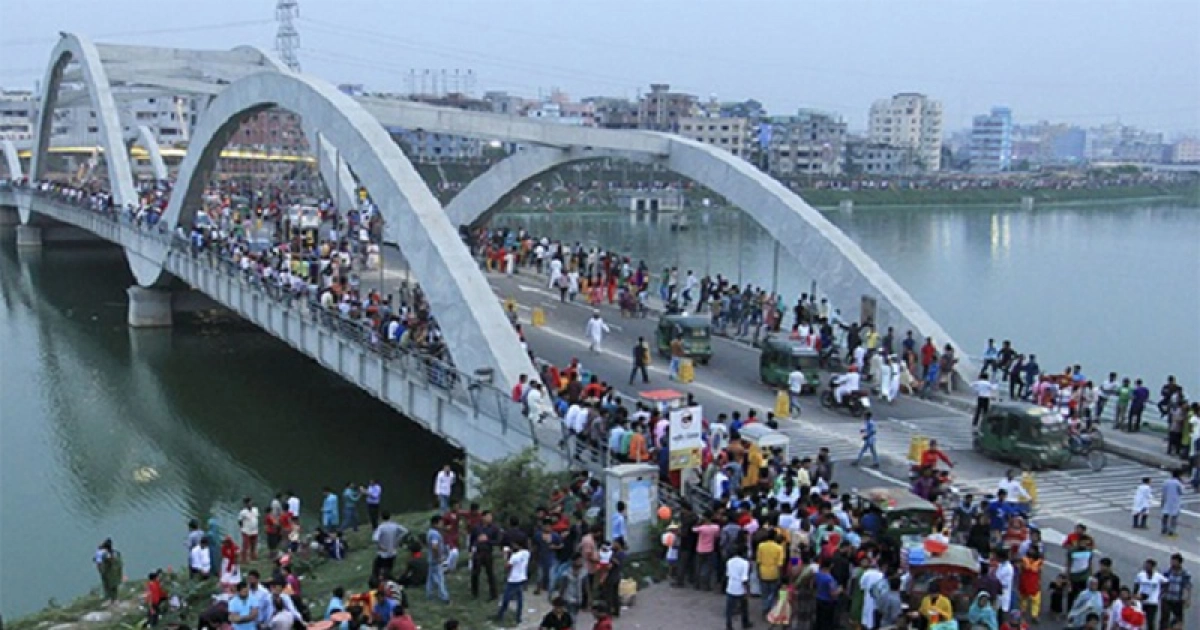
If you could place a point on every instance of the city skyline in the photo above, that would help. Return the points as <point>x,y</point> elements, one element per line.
<point>1136,63</point>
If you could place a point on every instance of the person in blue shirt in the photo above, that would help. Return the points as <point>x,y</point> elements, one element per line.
<point>618,524</point>
<point>350,498</point>
<point>1137,405</point>
<point>242,611</point>
<point>329,510</point>
<point>435,581</point>
<point>868,433</point>
<point>999,511</point>
<point>991,357</point>
<point>1032,370</point>
<point>827,593</point>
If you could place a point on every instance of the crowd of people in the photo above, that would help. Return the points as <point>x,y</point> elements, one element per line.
<point>764,524</point>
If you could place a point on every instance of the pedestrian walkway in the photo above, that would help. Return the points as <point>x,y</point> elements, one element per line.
<point>892,440</point>
<point>1083,492</point>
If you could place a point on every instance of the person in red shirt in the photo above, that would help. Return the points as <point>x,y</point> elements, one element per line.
<point>603,618</point>
<point>518,390</point>
<point>156,598</point>
<point>401,620</point>
<point>932,455</point>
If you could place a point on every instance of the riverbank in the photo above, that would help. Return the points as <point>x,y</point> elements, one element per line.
<point>319,576</point>
<point>828,199</point>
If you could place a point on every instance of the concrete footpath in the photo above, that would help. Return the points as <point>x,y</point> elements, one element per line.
<point>1147,447</point>
<point>656,607</point>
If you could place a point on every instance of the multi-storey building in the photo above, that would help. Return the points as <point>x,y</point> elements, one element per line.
<point>809,143</point>
<point>17,109</point>
<point>911,122</point>
<point>731,134</point>
<point>661,109</point>
<point>1186,151</point>
<point>992,141</point>
<point>614,113</point>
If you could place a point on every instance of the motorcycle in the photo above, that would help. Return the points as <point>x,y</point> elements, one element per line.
<point>856,402</point>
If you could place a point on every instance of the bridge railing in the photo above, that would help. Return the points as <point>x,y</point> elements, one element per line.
<point>473,390</point>
<point>466,388</point>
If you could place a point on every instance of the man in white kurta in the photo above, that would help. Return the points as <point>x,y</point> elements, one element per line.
<point>595,331</point>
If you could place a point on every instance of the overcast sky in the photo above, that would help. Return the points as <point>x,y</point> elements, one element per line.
<point>1085,62</point>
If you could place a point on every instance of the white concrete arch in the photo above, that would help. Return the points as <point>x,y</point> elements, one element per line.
<point>84,52</point>
<point>845,272</point>
<point>492,190</point>
<point>474,326</point>
<point>150,144</point>
<point>12,159</point>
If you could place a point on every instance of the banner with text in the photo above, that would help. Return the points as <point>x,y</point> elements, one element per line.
<point>686,437</point>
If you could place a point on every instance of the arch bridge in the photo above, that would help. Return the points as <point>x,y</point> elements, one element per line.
<point>236,84</point>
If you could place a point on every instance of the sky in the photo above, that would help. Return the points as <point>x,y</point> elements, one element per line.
<point>1086,63</point>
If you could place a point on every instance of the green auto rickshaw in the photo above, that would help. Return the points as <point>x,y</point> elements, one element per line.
<point>903,513</point>
<point>780,356</point>
<point>695,331</point>
<point>1030,435</point>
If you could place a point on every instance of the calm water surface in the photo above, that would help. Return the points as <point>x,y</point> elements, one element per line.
<point>1113,287</point>
<point>111,432</point>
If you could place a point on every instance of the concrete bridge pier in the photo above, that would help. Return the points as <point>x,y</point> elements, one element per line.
<point>149,308</point>
<point>29,236</point>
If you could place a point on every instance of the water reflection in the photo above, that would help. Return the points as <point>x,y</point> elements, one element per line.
<point>113,432</point>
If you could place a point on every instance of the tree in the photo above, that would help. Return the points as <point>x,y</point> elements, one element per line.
<point>515,485</point>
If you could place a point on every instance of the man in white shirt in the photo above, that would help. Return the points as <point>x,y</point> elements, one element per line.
<point>737,578</point>
<point>293,504</point>
<point>200,561</point>
<point>984,390</point>
<point>1108,389</point>
<point>796,382</point>
<point>1148,586</point>
<point>846,384</point>
<point>870,578</point>
<point>248,524</point>
<point>443,485</point>
<point>1013,488</point>
<point>514,588</point>
<point>1006,575</point>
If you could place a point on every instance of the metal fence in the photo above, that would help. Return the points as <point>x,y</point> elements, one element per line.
<point>474,390</point>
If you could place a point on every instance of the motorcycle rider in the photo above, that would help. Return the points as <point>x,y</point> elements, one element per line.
<point>847,383</point>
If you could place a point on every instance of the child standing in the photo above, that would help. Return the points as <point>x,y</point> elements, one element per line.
<point>1058,596</point>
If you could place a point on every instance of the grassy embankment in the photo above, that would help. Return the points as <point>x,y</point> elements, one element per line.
<point>319,577</point>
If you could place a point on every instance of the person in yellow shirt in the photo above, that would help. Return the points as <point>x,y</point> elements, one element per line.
<point>771,558</point>
<point>754,466</point>
<point>936,604</point>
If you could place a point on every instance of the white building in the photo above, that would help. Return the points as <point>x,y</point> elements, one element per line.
<point>731,134</point>
<point>991,141</point>
<point>912,122</point>
<point>17,109</point>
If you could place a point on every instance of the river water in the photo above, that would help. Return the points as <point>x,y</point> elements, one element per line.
<point>111,432</point>
<point>1111,287</point>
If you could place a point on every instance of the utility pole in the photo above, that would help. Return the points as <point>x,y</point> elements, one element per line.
<point>287,38</point>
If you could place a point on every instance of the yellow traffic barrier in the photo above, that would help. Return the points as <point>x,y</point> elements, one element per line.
<point>917,447</point>
<point>1029,484</point>
<point>783,404</point>
<point>538,317</point>
<point>687,371</point>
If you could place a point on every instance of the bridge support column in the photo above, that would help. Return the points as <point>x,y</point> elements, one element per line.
<point>29,236</point>
<point>149,308</point>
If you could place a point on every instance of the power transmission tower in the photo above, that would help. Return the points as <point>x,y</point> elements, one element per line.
<point>287,38</point>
